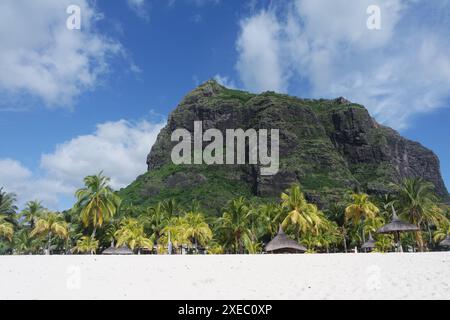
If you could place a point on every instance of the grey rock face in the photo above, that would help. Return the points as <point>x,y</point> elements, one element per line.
<point>327,146</point>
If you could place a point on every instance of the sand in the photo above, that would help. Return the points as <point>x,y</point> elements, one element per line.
<point>320,276</point>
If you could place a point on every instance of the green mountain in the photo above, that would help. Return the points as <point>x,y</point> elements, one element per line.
<point>328,146</point>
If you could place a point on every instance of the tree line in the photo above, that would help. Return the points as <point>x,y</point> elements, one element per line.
<point>99,219</point>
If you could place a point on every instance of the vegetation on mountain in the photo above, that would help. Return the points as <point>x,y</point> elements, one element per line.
<point>326,146</point>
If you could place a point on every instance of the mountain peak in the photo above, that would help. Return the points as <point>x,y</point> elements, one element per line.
<point>327,146</point>
<point>207,89</point>
<point>342,100</point>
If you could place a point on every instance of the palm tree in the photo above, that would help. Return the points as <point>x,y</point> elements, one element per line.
<point>371,225</point>
<point>50,224</point>
<point>7,203</point>
<point>109,232</point>
<point>32,211</point>
<point>171,207</point>
<point>336,213</point>
<point>97,202</point>
<point>252,245</point>
<point>235,224</point>
<point>330,234</point>
<point>311,241</point>
<point>268,219</point>
<point>7,211</point>
<point>175,233</point>
<point>360,208</point>
<point>155,219</point>
<point>441,233</point>
<point>24,243</point>
<point>215,248</point>
<point>131,233</point>
<point>7,214</point>
<point>196,229</point>
<point>384,243</point>
<point>6,229</point>
<point>418,203</point>
<point>86,245</point>
<point>302,215</point>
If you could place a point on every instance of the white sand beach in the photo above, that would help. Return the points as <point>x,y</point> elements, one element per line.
<point>321,276</point>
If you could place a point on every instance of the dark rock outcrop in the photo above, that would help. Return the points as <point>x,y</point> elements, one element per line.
<point>328,146</point>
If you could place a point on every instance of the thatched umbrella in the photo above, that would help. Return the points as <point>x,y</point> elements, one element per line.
<point>369,244</point>
<point>283,244</point>
<point>446,242</point>
<point>396,227</point>
<point>110,251</point>
<point>122,251</point>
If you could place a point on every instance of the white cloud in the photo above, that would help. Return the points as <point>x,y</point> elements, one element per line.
<point>139,7</point>
<point>196,18</point>
<point>259,53</point>
<point>119,149</point>
<point>205,2</point>
<point>12,171</point>
<point>397,72</point>
<point>225,81</point>
<point>40,57</point>
<point>16,178</point>
<point>198,3</point>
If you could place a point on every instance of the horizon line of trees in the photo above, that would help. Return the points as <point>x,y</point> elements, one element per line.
<point>99,219</point>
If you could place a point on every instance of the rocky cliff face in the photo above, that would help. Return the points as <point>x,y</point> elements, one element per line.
<point>328,146</point>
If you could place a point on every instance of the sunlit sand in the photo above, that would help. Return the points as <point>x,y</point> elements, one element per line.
<point>320,276</point>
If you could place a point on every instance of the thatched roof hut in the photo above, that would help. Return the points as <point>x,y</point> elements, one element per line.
<point>110,251</point>
<point>122,251</point>
<point>369,244</point>
<point>283,244</point>
<point>398,225</point>
<point>446,242</point>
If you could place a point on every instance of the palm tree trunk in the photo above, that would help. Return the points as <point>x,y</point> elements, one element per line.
<point>430,236</point>
<point>94,232</point>
<point>363,233</point>
<point>240,249</point>
<point>419,240</point>
<point>345,239</point>
<point>49,240</point>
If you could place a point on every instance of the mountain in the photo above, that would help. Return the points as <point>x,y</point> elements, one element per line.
<point>328,146</point>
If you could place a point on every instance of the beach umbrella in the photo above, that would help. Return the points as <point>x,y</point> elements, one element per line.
<point>396,227</point>
<point>283,244</point>
<point>122,251</point>
<point>110,251</point>
<point>369,244</point>
<point>446,242</point>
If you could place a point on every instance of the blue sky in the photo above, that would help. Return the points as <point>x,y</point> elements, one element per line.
<point>74,102</point>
